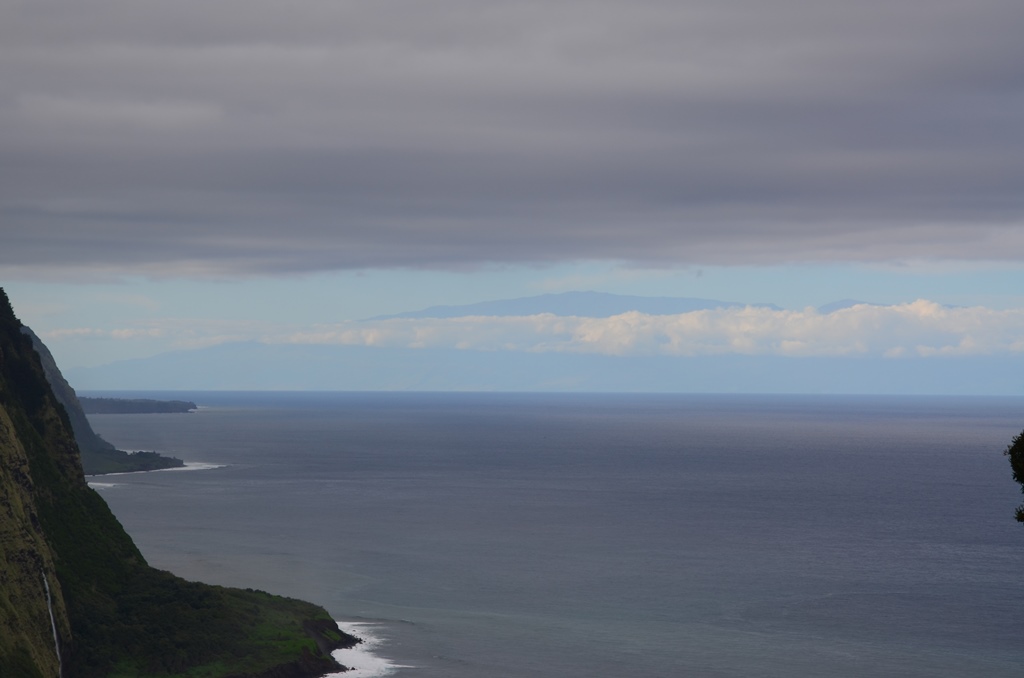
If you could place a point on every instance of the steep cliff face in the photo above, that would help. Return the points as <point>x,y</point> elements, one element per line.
<point>27,646</point>
<point>63,550</point>
<point>97,455</point>
<point>29,442</point>
<point>78,600</point>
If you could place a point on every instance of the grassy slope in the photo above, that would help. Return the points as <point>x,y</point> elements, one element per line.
<point>246,632</point>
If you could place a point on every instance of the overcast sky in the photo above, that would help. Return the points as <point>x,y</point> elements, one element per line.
<point>428,152</point>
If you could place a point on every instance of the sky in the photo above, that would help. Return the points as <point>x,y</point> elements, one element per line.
<point>177,175</point>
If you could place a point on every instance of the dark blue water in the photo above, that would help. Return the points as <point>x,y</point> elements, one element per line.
<point>600,535</point>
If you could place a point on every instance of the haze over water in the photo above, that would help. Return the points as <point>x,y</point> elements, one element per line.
<point>506,536</point>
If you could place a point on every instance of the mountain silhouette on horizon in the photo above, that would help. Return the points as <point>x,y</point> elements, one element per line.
<point>583,304</point>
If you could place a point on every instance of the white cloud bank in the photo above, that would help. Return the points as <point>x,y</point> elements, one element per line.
<point>921,328</point>
<point>918,329</point>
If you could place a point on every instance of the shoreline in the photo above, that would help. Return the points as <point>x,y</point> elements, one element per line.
<point>95,481</point>
<point>186,466</point>
<point>361,660</point>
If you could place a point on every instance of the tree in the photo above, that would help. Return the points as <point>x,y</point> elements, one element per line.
<point>1015,451</point>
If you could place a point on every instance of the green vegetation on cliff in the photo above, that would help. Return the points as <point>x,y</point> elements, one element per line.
<point>113,615</point>
<point>98,456</point>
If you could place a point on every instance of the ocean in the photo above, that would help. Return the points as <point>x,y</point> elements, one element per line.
<point>569,536</point>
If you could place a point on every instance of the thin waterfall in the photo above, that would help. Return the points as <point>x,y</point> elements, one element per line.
<point>53,625</point>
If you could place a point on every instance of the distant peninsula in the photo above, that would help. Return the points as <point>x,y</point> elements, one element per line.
<point>135,406</point>
<point>97,455</point>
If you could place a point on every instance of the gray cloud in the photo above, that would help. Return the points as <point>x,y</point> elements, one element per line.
<point>268,137</point>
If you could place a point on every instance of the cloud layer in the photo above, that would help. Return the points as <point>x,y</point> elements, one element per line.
<point>918,329</point>
<point>921,328</point>
<point>253,137</point>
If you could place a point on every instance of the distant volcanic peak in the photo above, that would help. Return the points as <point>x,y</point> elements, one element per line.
<point>581,304</point>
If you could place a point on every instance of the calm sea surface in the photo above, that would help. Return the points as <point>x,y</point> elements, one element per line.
<point>572,536</point>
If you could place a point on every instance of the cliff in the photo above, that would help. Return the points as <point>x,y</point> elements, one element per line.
<point>98,456</point>
<point>78,600</point>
